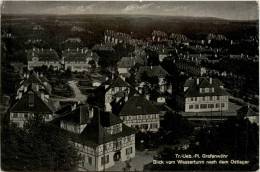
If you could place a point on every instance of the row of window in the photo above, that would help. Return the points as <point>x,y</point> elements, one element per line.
<point>88,161</point>
<point>134,117</point>
<point>206,106</point>
<point>145,126</point>
<point>207,90</point>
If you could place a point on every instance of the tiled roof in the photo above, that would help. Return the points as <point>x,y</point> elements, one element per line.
<point>116,82</point>
<point>40,106</point>
<point>194,88</point>
<point>151,71</point>
<point>33,78</point>
<point>79,55</point>
<point>137,105</point>
<point>247,112</point>
<point>95,134</point>
<point>80,115</point>
<point>129,62</point>
<point>43,55</point>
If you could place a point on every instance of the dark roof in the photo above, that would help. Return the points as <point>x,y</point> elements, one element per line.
<point>40,106</point>
<point>79,55</point>
<point>246,112</point>
<point>43,55</point>
<point>116,82</point>
<point>137,105</point>
<point>34,79</point>
<point>108,119</point>
<point>129,62</point>
<point>194,89</point>
<point>95,134</point>
<point>80,115</point>
<point>151,71</point>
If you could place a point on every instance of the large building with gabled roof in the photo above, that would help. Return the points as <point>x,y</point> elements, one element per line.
<point>139,113</point>
<point>31,103</point>
<point>101,138</point>
<point>38,57</point>
<point>203,95</point>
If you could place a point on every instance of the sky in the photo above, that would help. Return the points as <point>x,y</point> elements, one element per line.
<point>233,10</point>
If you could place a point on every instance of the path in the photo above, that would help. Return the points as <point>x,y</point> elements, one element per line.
<point>78,95</point>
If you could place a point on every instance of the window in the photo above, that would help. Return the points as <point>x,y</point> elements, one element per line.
<point>190,106</point>
<point>195,98</point>
<point>153,126</point>
<point>203,98</point>
<point>113,89</point>
<point>191,99</point>
<point>120,88</point>
<point>90,160</point>
<point>203,106</point>
<point>129,138</point>
<point>202,90</point>
<point>196,106</point>
<point>138,107</point>
<point>129,151</point>
<point>217,105</point>
<point>210,98</point>
<point>26,115</point>
<point>144,126</point>
<point>217,97</point>
<point>222,104</point>
<point>105,160</point>
<point>211,105</point>
<point>15,115</point>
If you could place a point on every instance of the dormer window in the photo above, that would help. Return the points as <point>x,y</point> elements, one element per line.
<point>138,107</point>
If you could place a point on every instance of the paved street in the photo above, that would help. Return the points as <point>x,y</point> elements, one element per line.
<point>78,95</point>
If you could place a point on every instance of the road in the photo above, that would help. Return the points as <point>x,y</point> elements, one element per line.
<point>78,95</point>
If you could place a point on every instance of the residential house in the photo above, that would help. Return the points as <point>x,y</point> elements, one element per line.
<point>102,139</point>
<point>31,103</point>
<point>203,95</point>
<point>79,59</point>
<point>159,36</point>
<point>112,36</point>
<point>152,71</point>
<point>115,88</point>
<point>126,63</point>
<point>190,66</point>
<point>38,57</point>
<point>39,80</point>
<point>248,113</point>
<point>139,113</point>
<point>103,47</point>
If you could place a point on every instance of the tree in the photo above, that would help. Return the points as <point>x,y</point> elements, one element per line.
<point>41,147</point>
<point>68,73</point>
<point>127,166</point>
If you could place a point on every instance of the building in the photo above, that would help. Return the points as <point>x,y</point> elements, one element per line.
<point>126,63</point>
<point>203,95</point>
<point>139,113</point>
<point>111,36</point>
<point>39,80</point>
<point>104,47</point>
<point>179,39</point>
<point>31,103</point>
<point>158,71</point>
<point>191,67</point>
<point>159,36</point>
<point>115,88</point>
<point>79,59</point>
<point>101,138</point>
<point>39,57</point>
<point>247,112</point>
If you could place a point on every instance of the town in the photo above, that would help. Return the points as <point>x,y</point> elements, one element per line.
<point>125,98</point>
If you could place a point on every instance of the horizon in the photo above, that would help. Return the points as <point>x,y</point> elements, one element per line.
<point>226,10</point>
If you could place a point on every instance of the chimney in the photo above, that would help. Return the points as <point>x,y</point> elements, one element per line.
<point>50,49</point>
<point>68,49</point>
<point>27,75</point>
<point>24,75</point>
<point>37,87</point>
<point>210,80</point>
<point>163,50</point>
<point>200,54</point>
<point>91,54</point>
<point>151,67</point>
<point>198,81</point>
<point>41,74</point>
<point>147,97</point>
<point>42,49</point>
<point>42,96</point>
<point>33,48</point>
<point>112,75</point>
<point>33,54</point>
<point>77,48</point>
<point>37,74</point>
<point>82,50</point>
<point>91,112</point>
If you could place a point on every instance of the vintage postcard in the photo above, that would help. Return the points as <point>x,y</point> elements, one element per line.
<point>129,86</point>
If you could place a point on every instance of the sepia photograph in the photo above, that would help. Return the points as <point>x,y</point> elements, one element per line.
<point>129,85</point>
